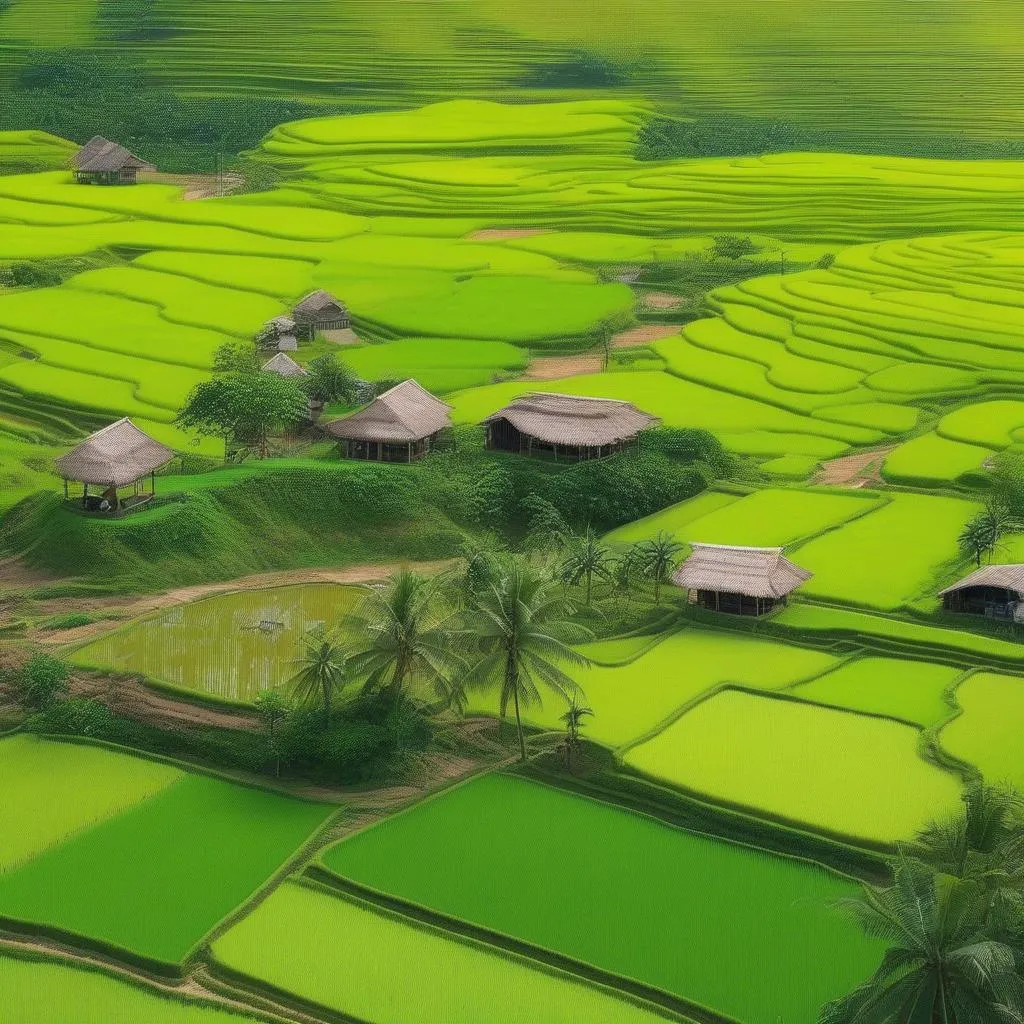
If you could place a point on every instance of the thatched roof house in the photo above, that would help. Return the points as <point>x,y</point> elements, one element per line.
<point>993,590</point>
<point>320,311</point>
<point>284,366</point>
<point>740,580</point>
<point>569,426</point>
<point>102,162</point>
<point>119,455</point>
<point>278,334</point>
<point>397,426</point>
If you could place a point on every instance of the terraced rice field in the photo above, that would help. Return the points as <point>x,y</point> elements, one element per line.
<point>788,948</point>
<point>231,646</point>
<point>814,766</point>
<point>394,969</point>
<point>149,858</point>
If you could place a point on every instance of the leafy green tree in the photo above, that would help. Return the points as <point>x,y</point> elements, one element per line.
<point>273,708</point>
<point>546,527</point>
<point>732,247</point>
<point>324,669</point>
<point>237,357</point>
<point>941,966</point>
<point>405,631</point>
<point>330,380</point>
<point>622,576</point>
<point>246,408</point>
<point>573,718</point>
<point>657,558</point>
<point>44,680</point>
<point>524,633</point>
<point>604,336</point>
<point>586,558</point>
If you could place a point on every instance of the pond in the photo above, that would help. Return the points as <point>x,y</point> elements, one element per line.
<point>230,646</point>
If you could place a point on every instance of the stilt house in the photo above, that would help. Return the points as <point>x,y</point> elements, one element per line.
<point>102,162</point>
<point>320,311</point>
<point>996,591</point>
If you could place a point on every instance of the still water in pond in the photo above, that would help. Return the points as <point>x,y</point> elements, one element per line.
<point>231,646</point>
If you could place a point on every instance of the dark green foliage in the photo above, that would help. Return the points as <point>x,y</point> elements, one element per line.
<point>579,70</point>
<point>69,621</point>
<point>330,380</point>
<point>31,275</point>
<point>732,247</point>
<point>237,357</point>
<point>44,679</point>
<point>826,261</point>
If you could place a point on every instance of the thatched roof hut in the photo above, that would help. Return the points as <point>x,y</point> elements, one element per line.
<point>993,590</point>
<point>570,426</point>
<point>320,311</point>
<point>278,335</point>
<point>397,426</point>
<point>119,455</point>
<point>102,162</point>
<point>741,580</point>
<point>284,366</point>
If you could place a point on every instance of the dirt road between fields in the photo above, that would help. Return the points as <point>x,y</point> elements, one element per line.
<point>860,470</point>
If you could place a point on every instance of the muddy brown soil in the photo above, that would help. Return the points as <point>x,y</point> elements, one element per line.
<point>860,470</point>
<point>498,234</point>
<point>644,335</point>
<point>661,300</point>
<point>558,367</point>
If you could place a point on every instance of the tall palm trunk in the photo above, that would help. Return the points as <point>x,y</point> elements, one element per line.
<point>398,679</point>
<point>326,686</point>
<point>512,677</point>
<point>590,581</point>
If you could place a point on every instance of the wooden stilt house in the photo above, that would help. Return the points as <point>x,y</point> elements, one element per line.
<point>102,162</point>
<point>995,591</point>
<point>320,311</point>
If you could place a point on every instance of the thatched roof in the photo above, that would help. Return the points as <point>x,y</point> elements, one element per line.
<point>286,343</point>
<point>282,324</point>
<point>284,366</point>
<point>100,154</point>
<point>319,305</point>
<point>754,572</point>
<point>572,420</point>
<point>404,413</point>
<point>118,454</point>
<point>1009,577</point>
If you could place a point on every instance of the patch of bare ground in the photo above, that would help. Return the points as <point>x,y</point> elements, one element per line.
<point>862,469</point>
<point>644,335</point>
<point>196,186</point>
<point>661,300</point>
<point>557,367</point>
<point>498,234</point>
<point>344,336</point>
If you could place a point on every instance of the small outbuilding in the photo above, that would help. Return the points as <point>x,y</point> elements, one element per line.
<point>996,591</point>
<point>398,426</point>
<point>569,427</point>
<point>102,162</point>
<point>118,456</point>
<point>320,311</point>
<point>284,366</point>
<point>278,335</point>
<point>738,580</point>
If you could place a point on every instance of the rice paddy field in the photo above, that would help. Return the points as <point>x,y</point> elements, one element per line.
<point>103,853</point>
<point>778,948</point>
<point>231,646</point>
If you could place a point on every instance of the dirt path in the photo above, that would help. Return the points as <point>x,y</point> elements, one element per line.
<point>498,234</point>
<point>644,335</point>
<point>860,470</point>
<point>661,300</point>
<point>196,186</point>
<point>557,367</point>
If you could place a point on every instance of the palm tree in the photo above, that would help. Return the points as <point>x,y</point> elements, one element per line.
<point>657,558</point>
<point>324,669</point>
<point>941,967</point>
<point>406,632</point>
<point>984,532</point>
<point>585,559</point>
<point>573,717</point>
<point>973,539</point>
<point>524,637</point>
<point>622,576</point>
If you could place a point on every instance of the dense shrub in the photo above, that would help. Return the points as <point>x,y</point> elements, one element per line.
<point>43,680</point>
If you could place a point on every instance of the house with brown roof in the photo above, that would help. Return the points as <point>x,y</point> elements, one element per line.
<point>996,591</point>
<point>116,457</point>
<point>738,580</point>
<point>567,427</point>
<point>320,311</point>
<point>398,426</point>
<point>102,162</point>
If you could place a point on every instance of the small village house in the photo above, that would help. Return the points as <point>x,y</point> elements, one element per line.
<point>398,426</point>
<point>566,427</point>
<point>284,366</point>
<point>102,162</point>
<point>320,311</point>
<point>738,580</point>
<point>117,457</point>
<point>278,335</point>
<point>995,591</point>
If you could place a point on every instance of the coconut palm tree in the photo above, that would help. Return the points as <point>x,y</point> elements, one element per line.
<point>941,967</point>
<point>405,631</point>
<point>622,576</point>
<point>324,670</point>
<point>657,558</point>
<point>524,636</point>
<point>984,532</point>
<point>573,717</point>
<point>585,559</point>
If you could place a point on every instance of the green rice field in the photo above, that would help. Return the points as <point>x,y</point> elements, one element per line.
<point>388,970</point>
<point>819,767</point>
<point>122,879</point>
<point>779,947</point>
<point>230,646</point>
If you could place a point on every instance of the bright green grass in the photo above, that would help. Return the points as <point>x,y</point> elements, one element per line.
<point>839,621</point>
<point>390,971</point>
<point>830,770</point>
<point>286,279</point>
<point>46,992</point>
<point>887,558</point>
<point>909,690</point>
<point>790,467</point>
<point>768,518</point>
<point>931,459</point>
<point>753,935</point>
<point>156,878</point>
<point>619,650</point>
<point>632,700</point>
<point>673,519</point>
<point>984,423</point>
<point>54,790</point>
<point>987,733</point>
<point>231,646</point>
